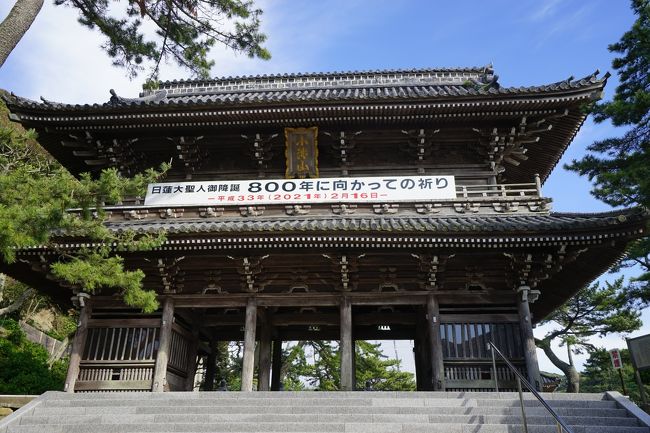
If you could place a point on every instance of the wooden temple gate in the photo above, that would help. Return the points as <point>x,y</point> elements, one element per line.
<point>270,237</point>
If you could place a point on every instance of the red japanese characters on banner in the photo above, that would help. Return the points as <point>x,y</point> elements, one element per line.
<point>302,191</point>
<point>617,362</point>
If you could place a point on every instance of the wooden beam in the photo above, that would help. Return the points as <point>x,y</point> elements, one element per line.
<point>113,385</point>
<point>78,345</point>
<point>264,367</point>
<point>435,344</point>
<point>248,365</point>
<point>162,359</point>
<point>124,323</point>
<point>240,300</point>
<point>291,319</point>
<point>276,371</point>
<point>345,345</point>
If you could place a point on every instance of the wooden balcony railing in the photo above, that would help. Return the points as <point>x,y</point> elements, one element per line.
<point>513,190</point>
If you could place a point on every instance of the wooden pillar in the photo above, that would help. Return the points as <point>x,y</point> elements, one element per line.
<point>211,366</point>
<point>162,359</point>
<point>78,345</point>
<point>435,344</point>
<point>264,362</point>
<point>422,353</point>
<point>354,366</point>
<point>417,357</point>
<point>526,326</point>
<point>192,353</point>
<point>276,372</point>
<point>345,346</point>
<point>248,365</point>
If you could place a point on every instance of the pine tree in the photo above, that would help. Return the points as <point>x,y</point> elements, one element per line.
<point>185,30</point>
<point>35,194</point>
<point>594,311</point>
<point>620,166</point>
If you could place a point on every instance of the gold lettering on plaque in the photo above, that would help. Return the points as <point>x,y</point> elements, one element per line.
<point>301,152</point>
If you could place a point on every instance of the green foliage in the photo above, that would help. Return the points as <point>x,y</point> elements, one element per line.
<point>620,166</point>
<point>35,195</point>
<point>185,31</point>
<point>372,366</point>
<point>596,311</point>
<point>23,365</point>
<point>63,327</point>
<point>381,372</point>
<point>600,376</point>
<point>593,311</point>
<point>316,365</point>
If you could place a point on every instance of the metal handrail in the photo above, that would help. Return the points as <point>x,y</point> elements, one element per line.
<point>561,425</point>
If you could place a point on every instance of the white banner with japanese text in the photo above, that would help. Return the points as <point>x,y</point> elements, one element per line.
<point>302,191</point>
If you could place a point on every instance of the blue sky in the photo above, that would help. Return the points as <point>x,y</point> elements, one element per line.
<point>529,42</point>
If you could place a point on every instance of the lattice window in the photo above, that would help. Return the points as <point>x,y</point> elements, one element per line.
<point>121,344</point>
<point>469,340</point>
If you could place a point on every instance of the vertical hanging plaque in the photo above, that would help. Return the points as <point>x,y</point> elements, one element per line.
<point>301,152</point>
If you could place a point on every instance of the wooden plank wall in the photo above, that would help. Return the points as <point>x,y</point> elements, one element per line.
<point>467,360</point>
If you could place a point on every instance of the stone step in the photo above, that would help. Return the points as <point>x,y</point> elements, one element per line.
<point>44,410</point>
<point>600,404</point>
<point>314,428</point>
<point>320,394</point>
<point>311,412</point>
<point>323,418</point>
<point>309,401</point>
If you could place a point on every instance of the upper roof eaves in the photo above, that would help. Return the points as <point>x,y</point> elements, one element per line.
<point>367,86</point>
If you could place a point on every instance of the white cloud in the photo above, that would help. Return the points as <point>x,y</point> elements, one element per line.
<point>61,60</point>
<point>546,9</point>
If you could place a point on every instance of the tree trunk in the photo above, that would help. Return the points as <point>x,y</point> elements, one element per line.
<point>14,27</point>
<point>3,282</point>
<point>17,304</point>
<point>572,375</point>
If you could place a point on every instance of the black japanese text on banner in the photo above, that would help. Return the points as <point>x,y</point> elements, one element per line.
<point>302,191</point>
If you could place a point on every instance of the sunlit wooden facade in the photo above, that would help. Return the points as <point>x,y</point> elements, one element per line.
<point>449,274</point>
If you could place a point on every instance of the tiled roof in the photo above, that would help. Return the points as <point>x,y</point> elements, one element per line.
<point>485,224</point>
<point>386,86</point>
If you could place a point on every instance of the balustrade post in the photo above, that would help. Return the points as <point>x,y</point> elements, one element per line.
<point>538,185</point>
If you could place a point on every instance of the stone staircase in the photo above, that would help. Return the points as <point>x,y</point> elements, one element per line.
<point>354,412</point>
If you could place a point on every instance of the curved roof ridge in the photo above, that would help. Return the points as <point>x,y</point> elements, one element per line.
<point>475,69</point>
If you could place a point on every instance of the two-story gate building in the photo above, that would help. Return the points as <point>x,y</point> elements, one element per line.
<point>373,205</point>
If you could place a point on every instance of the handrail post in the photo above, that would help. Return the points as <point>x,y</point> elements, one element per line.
<point>521,402</point>
<point>562,426</point>
<point>494,368</point>
<point>538,185</point>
